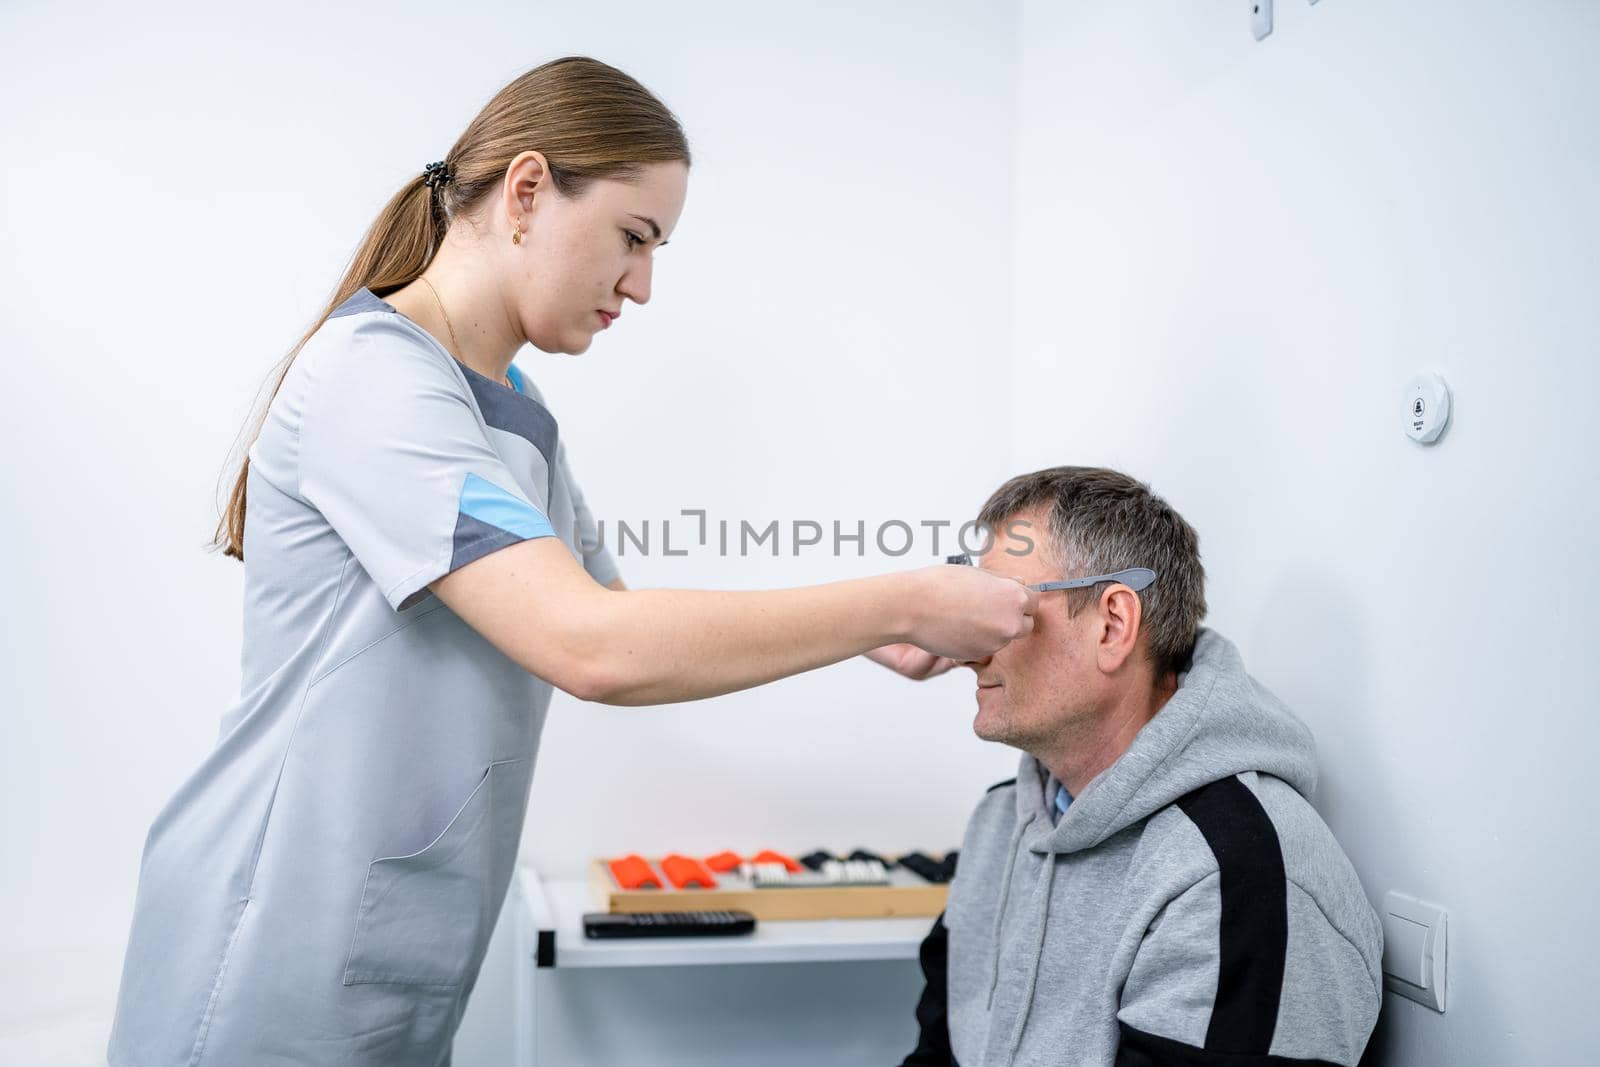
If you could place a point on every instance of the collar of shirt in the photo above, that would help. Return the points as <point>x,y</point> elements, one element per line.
<point>1063,799</point>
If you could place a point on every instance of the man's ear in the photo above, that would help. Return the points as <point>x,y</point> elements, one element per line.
<point>1121,619</point>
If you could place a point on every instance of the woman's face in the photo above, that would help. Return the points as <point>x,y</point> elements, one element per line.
<point>582,258</point>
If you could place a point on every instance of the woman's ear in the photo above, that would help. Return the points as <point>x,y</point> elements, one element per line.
<point>527,176</point>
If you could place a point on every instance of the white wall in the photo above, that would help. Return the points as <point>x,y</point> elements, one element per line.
<point>182,185</point>
<point>1230,258</point>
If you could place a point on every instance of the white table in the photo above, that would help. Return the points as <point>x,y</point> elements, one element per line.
<point>872,987</point>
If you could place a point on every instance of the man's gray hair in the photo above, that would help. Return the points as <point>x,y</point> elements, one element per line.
<point>1101,521</point>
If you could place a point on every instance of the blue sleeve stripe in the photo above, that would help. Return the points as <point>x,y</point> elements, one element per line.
<point>488,503</point>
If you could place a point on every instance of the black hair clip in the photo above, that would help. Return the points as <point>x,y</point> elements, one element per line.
<point>435,174</point>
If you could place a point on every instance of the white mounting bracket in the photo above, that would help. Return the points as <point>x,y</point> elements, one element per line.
<point>1260,17</point>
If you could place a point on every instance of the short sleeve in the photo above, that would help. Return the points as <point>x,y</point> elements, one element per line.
<point>597,558</point>
<point>394,456</point>
<point>588,538</point>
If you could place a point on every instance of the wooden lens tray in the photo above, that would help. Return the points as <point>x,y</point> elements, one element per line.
<point>907,895</point>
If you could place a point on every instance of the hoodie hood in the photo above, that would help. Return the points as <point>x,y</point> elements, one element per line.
<point>1219,723</point>
<point>1100,860</point>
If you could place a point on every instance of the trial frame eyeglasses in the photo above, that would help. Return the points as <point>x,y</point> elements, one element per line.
<point>1136,578</point>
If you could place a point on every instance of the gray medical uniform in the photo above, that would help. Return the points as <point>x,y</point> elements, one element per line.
<point>322,889</point>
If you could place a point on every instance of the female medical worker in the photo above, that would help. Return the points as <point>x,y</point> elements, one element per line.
<point>422,570</point>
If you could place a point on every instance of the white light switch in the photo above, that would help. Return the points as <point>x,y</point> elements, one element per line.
<point>1414,947</point>
<point>1405,951</point>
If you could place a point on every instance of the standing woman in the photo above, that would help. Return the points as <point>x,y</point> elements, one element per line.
<point>422,570</point>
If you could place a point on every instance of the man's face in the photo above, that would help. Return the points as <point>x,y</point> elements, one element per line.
<point>1034,688</point>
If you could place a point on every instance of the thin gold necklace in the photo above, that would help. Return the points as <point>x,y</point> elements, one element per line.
<point>454,343</point>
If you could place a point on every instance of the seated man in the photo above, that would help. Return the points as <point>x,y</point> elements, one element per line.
<point>1154,886</point>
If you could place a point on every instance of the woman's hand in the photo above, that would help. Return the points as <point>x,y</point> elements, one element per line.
<point>910,661</point>
<point>965,614</point>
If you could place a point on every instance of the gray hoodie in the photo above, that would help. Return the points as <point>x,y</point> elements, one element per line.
<point>1190,907</point>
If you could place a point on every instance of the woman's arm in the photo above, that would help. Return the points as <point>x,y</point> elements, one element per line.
<point>536,604</point>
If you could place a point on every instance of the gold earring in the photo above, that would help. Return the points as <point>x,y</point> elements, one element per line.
<point>516,235</point>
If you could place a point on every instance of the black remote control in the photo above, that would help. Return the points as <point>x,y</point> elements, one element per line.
<point>598,924</point>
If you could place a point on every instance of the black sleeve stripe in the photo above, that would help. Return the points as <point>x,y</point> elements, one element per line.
<point>1001,785</point>
<point>933,1043</point>
<point>1139,1049</point>
<point>1254,930</point>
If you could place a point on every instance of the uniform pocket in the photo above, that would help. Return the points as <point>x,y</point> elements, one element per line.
<point>425,918</point>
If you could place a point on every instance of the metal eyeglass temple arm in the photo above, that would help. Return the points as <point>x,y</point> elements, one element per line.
<point>1135,578</point>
